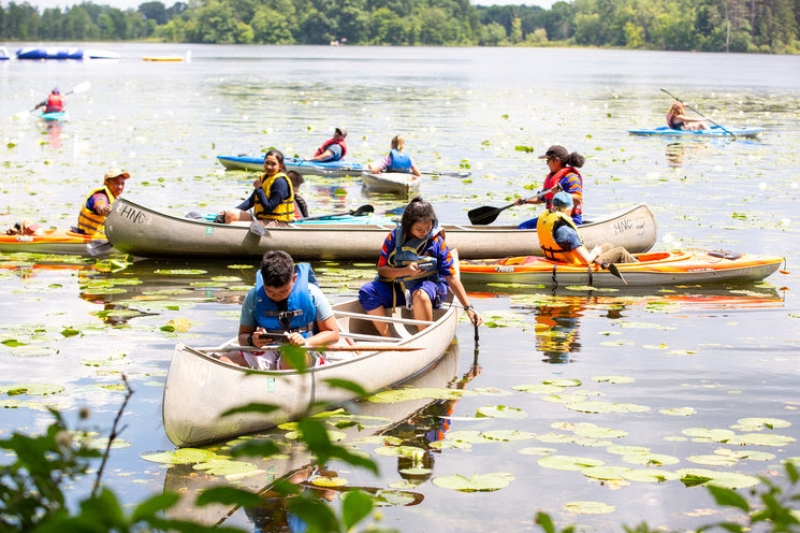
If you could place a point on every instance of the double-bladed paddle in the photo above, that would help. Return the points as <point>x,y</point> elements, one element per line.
<point>611,267</point>
<point>366,209</point>
<point>699,113</point>
<point>485,214</point>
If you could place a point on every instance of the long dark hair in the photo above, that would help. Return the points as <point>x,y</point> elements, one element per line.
<point>279,156</point>
<point>416,210</point>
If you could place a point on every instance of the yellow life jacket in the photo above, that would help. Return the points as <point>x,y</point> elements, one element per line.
<point>545,230</point>
<point>90,222</point>
<point>284,211</point>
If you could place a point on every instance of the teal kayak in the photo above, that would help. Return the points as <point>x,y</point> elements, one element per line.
<point>256,163</point>
<point>713,131</point>
<point>53,117</point>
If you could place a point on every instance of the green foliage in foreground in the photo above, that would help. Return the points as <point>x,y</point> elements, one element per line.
<point>32,497</point>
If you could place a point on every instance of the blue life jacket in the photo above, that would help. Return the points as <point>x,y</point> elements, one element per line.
<point>414,250</point>
<point>300,314</point>
<point>400,162</point>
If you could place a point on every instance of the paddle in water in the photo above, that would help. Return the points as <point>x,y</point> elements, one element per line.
<point>699,113</point>
<point>611,267</point>
<point>484,215</point>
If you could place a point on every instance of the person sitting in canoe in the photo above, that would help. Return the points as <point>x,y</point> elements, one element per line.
<point>287,303</point>
<point>397,160</point>
<point>563,176</point>
<point>272,201</point>
<point>300,205</point>
<point>54,103</point>
<point>677,119</point>
<point>334,149</point>
<point>415,269</point>
<point>561,241</point>
<point>91,219</point>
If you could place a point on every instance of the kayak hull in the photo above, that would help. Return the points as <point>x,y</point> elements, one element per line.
<point>52,242</point>
<point>714,131</point>
<point>393,182</point>
<point>655,269</point>
<point>256,163</point>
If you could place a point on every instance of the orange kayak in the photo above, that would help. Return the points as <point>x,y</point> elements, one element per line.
<point>53,241</point>
<point>653,270</point>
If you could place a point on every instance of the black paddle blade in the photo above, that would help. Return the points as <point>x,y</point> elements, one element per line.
<point>365,209</point>
<point>611,267</point>
<point>481,216</point>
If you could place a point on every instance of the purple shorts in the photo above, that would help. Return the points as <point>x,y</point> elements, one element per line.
<point>382,294</point>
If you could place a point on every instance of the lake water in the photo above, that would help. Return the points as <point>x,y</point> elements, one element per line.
<point>693,358</point>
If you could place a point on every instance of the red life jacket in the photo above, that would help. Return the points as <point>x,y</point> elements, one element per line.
<point>54,104</point>
<point>552,180</point>
<point>328,143</point>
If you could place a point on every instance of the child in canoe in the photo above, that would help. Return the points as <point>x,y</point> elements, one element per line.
<point>415,269</point>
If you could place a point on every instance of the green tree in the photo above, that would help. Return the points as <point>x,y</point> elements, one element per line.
<point>214,23</point>
<point>154,11</point>
<point>272,27</point>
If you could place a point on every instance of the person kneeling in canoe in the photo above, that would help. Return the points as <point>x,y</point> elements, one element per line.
<point>561,241</point>
<point>287,303</point>
<point>415,269</point>
<point>397,160</point>
<point>92,218</point>
<point>273,200</point>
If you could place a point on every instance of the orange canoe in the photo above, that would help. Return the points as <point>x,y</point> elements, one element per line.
<point>653,270</point>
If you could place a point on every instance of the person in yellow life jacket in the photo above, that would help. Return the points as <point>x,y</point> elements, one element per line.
<point>560,240</point>
<point>272,202</point>
<point>54,102</point>
<point>98,203</point>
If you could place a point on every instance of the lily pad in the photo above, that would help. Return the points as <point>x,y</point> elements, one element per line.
<point>227,468</point>
<point>31,389</point>
<point>729,480</point>
<point>586,507</point>
<point>648,475</point>
<point>614,380</point>
<point>508,435</point>
<point>328,482</point>
<point>501,411</point>
<point>605,473</point>
<point>757,424</point>
<point>474,483</point>
<point>760,439</point>
<point>180,456</point>
<point>678,411</point>
<point>568,462</point>
<point>538,388</point>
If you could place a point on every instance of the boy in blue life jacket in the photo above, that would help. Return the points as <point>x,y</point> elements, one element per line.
<point>287,304</point>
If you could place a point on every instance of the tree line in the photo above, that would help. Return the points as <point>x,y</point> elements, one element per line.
<point>755,26</point>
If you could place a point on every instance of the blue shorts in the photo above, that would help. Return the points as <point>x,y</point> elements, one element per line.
<point>377,294</point>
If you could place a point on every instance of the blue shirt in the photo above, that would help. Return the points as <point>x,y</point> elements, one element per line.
<point>566,237</point>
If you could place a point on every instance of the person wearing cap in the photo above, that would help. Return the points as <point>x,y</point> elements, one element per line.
<point>397,160</point>
<point>563,176</point>
<point>561,241</point>
<point>93,213</point>
<point>54,102</point>
<point>334,149</point>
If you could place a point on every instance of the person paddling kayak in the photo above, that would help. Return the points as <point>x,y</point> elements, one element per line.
<point>54,103</point>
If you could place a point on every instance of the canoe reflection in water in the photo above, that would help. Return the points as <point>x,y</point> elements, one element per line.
<point>296,465</point>
<point>558,327</point>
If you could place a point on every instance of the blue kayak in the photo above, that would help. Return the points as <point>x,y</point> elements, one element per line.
<point>256,162</point>
<point>714,131</point>
<point>54,116</point>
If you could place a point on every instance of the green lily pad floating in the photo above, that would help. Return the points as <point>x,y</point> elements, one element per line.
<point>760,439</point>
<point>334,436</point>
<point>508,435</point>
<point>410,452</point>
<point>537,450</point>
<point>34,351</point>
<point>180,272</point>
<point>606,407</point>
<point>468,436</point>
<point>648,475</point>
<point>31,389</point>
<point>563,382</point>
<point>568,462</point>
<point>650,459</point>
<point>14,343</point>
<point>586,507</point>
<point>678,411</point>
<point>227,468</point>
<point>614,380</point>
<point>555,438</point>
<point>385,498</point>
<point>226,279</point>
<point>712,460</point>
<point>750,455</point>
<point>501,411</point>
<point>708,435</point>
<point>692,477</point>
<point>449,445</point>
<point>475,483</point>
<point>403,395</point>
<point>177,325</point>
<point>118,313</point>
<point>605,473</point>
<point>538,388</point>
<point>181,456</point>
<point>571,397</point>
<point>103,362</point>
<point>416,471</point>
<point>757,424</point>
<point>625,450</point>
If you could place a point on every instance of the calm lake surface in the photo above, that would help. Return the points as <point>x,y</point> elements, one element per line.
<point>691,358</point>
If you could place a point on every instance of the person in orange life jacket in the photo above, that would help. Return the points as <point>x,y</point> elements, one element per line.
<point>563,176</point>
<point>333,149</point>
<point>560,240</point>
<point>54,103</point>
<point>397,160</point>
<point>92,216</point>
<point>285,299</point>
<point>415,268</point>
<point>273,199</point>
<point>677,119</point>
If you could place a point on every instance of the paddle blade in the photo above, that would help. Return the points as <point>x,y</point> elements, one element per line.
<point>365,209</point>
<point>481,216</point>
<point>98,247</point>
<point>257,229</point>
<point>81,88</point>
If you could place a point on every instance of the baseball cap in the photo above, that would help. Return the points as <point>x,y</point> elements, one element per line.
<point>115,172</point>
<point>343,131</point>
<point>562,199</point>
<point>556,151</point>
